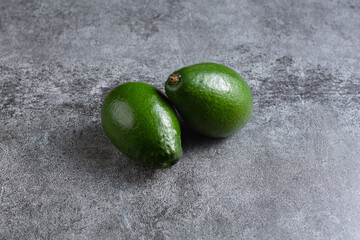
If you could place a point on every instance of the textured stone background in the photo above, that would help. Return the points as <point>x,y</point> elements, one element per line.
<point>292,173</point>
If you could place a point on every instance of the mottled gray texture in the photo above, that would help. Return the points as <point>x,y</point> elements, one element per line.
<point>292,173</point>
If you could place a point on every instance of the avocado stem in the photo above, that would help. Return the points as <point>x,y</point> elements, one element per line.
<point>174,79</point>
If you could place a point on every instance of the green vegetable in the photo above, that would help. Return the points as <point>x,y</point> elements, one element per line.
<point>142,124</point>
<point>211,98</point>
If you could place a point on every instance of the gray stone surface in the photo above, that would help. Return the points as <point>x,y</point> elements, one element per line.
<point>292,173</point>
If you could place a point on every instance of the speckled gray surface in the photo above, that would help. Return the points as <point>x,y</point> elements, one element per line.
<point>292,173</point>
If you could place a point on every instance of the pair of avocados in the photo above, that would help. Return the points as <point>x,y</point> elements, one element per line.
<point>142,123</point>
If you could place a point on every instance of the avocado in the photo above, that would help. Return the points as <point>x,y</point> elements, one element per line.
<point>140,121</point>
<point>211,98</point>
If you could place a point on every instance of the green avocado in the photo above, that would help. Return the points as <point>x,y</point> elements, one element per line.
<point>211,98</point>
<point>142,124</point>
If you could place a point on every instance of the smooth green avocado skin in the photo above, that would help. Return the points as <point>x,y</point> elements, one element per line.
<point>211,98</point>
<point>142,124</point>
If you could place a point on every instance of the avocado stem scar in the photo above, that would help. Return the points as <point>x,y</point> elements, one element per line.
<point>174,79</point>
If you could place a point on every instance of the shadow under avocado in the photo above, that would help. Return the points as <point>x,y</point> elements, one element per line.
<point>88,150</point>
<point>191,139</point>
<point>91,152</point>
